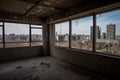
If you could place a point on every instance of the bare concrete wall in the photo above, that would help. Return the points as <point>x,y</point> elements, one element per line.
<point>92,61</point>
<point>7,54</point>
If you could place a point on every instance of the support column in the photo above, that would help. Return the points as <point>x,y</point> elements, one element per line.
<point>52,37</point>
<point>46,50</point>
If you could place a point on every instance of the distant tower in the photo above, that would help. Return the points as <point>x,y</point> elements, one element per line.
<point>111,31</point>
<point>98,32</point>
<point>103,35</point>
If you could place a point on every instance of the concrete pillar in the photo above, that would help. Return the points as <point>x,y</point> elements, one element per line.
<point>52,37</point>
<point>46,39</point>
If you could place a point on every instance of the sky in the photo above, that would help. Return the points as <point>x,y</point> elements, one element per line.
<point>18,28</point>
<point>82,25</point>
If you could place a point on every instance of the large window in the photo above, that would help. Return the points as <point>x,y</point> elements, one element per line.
<point>101,35</point>
<point>36,35</point>
<point>62,34</point>
<point>16,35</point>
<point>20,35</point>
<point>108,39</point>
<point>81,33</point>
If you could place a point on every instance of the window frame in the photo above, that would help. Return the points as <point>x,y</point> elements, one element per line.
<point>13,42</point>
<point>69,26</point>
<point>103,53</point>
<point>34,28</point>
<point>29,42</point>
<point>18,41</point>
<point>94,36</point>
<point>71,33</point>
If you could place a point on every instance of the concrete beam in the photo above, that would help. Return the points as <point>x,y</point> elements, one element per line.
<point>10,17</point>
<point>85,9</point>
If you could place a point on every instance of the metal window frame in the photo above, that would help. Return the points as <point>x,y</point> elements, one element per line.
<point>94,20</point>
<point>30,33</point>
<point>94,32</point>
<point>3,35</point>
<point>38,28</point>
<point>69,33</point>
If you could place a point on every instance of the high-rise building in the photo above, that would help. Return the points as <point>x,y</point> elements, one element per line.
<point>111,31</point>
<point>103,35</point>
<point>98,32</point>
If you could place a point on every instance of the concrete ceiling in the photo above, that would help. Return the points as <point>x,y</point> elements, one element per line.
<point>39,8</point>
<point>39,11</point>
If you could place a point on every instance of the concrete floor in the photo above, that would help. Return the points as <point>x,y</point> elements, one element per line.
<point>46,68</point>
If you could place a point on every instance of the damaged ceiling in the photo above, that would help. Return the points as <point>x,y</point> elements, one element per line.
<point>39,8</point>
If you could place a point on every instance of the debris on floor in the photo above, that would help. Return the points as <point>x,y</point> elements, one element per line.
<point>26,70</point>
<point>46,64</point>
<point>18,67</point>
<point>33,67</point>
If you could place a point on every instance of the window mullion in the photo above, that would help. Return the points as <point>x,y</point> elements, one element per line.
<point>70,32</point>
<point>3,34</point>
<point>30,34</point>
<point>94,33</point>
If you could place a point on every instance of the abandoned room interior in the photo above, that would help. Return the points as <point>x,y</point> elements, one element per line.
<point>59,40</point>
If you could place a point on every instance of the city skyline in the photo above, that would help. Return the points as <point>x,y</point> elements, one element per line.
<point>82,25</point>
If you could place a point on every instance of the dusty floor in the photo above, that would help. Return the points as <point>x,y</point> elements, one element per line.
<point>47,68</point>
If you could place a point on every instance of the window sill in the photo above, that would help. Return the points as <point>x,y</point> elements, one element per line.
<point>91,52</point>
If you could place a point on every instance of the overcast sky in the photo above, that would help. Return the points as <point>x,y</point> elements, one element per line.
<point>82,25</point>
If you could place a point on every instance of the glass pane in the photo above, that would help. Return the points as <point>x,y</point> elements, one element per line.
<point>1,23</point>
<point>16,44</point>
<point>1,37</point>
<point>109,27</point>
<point>1,45</point>
<point>62,34</point>
<point>16,32</point>
<point>36,35</point>
<point>36,43</point>
<point>36,26</point>
<point>81,33</point>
